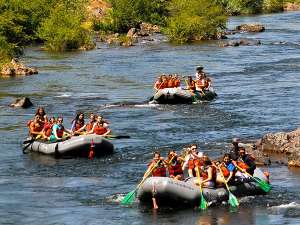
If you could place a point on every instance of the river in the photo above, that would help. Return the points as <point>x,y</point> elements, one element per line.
<point>258,92</point>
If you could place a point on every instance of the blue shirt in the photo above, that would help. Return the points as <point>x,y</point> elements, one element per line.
<point>230,167</point>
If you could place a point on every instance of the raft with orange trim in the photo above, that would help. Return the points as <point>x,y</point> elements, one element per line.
<point>181,96</point>
<point>75,146</point>
<point>173,192</point>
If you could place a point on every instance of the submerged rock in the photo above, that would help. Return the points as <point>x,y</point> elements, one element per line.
<point>17,68</point>
<point>22,102</point>
<point>250,28</point>
<point>242,42</point>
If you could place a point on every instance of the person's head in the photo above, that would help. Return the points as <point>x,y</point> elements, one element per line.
<point>194,147</point>
<point>199,69</point>
<point>226,158</point>
<point>190,78</point>
<point>242,151</point>
<point>99,118</point>
<point>156,155</point>
<point>52,120</point>
<point>40,111</point>
<point>171,153</point>
<point>37,118</point>
<point>60,120</point>
<point>79,116</point>
<point>92,117</point>
<point>206,161</point>
<point>235,141</point>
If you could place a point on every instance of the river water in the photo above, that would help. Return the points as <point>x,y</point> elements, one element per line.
<point>258,88</point>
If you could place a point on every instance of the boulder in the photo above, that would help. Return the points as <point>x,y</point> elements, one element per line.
<point>22,102</point>
<point>291,7</point>
<point>286,144</point>
<point>250,28</point>
<point>149,28</point>
<point>17,68</point>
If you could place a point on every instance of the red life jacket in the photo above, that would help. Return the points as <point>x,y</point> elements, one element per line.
<point>78,125</point>
<point>225,171</point>
<point>60,131</point>
<point>157,85</point>
<point>176,169</point>
<point>177,83</point>
<point>200,84</point>
<point>159,171</point>
<point>99,129</point>
<point>170,83</point>
<point>89,127</point>
<point>204,173</point>
<point>48,129</point>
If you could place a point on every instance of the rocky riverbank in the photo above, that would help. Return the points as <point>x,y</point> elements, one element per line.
<point>283,145</point>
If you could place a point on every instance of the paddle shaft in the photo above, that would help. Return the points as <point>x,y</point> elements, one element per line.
<point>223,178</point>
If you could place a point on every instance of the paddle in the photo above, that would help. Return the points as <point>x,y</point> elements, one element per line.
<point>203,203</point>
<point>262,184</point>
<point>232,199</point>
<point>129,198</point>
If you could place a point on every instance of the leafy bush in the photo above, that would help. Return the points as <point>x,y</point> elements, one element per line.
<point>194,19</point>
<point>272,5</point>
<point>63,30</point>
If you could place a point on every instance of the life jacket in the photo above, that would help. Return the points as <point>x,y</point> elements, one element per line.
<point>163,85</point>
<point>78,125</point>
<point>170,83</point>
<point>192,85</point>
<point>175,169</point>
<point>157,85</point>
<point>204,173</point>
<point>206,83</point>
<point>225,171</point>
<point>60,131</point>
<point>199,84</point>
<point>242,165</point>
<point>29,122</point>
<point>177,83</point>
<point>159,171</point>
<point>89,126</point>
<point>48,129</point>
<point>99,129</point>
<point>37,128</point>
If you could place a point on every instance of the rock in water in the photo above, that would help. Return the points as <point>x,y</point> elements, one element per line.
<point>251,28</point>
<point>22,102</point>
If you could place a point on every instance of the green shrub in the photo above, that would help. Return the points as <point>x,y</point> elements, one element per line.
<point>62,30</point>
<point>194,19</point>
<point>272,5</point>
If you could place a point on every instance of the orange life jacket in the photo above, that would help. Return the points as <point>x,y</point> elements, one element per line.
<point>175,169</point>
<point>48,129</point>
<point>177,83</point>
<point>99,129</point>
<point>89,126</point>
<point>78,125</point>
<point>242,165</point>
<point>200,84</point>
<point>157,85</point>
<point>170,83</point>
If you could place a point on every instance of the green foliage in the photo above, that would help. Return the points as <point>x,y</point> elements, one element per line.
<point>130,13</point>
<point>194,19</point>
<point>63,30</point>
<point>273,5</point>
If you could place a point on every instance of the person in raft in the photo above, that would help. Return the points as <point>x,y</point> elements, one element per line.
<point>157,166</point>
<point>48,127</point>
<point>208,174</point>
<point>193,160</point>
<point>43,116</point>
<point>228,169</point>
<point>36,127</point>
<point>174,166</point>
<point>58,131</point>
<point>100,127</point>
<point>90,124</point>
<point>246,161</point>
<point>78,124</point>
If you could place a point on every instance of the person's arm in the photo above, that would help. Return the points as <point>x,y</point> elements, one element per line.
<point>210,175</point>
<point>32,129</point>
<point>81,129</point>
<point>92,130</point>
<point>73,125</point>
<point>106,133</point>
<point>46,118</point>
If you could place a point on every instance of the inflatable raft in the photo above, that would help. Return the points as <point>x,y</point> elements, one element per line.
<point>76,146</point>
<point>179,96</point>
<point>172,192</point>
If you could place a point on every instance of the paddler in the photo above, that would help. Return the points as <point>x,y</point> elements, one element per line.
<point>174,163</point>
<point>208,174</point>
<point>228,169</point>
<point>58,131</point>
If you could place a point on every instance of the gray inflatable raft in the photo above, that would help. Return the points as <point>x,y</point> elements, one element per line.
<point>77,146</point>
<point>172,192</point>
<point>179,96</point>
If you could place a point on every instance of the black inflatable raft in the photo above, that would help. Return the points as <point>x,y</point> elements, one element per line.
<point>77,146</point>
<point>181,96</point>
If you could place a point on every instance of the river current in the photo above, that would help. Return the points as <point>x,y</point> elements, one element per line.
<point>258,92</point>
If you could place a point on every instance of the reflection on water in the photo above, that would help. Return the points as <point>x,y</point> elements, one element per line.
<point>258,92</point>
